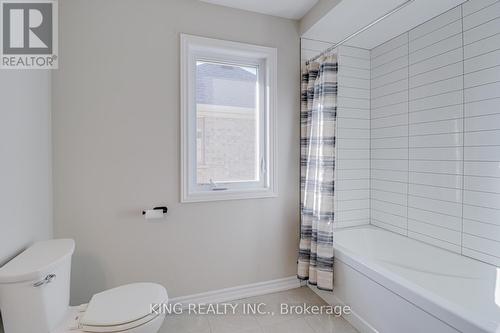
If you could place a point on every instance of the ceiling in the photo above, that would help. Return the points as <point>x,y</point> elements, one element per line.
<point>294,9</point>
<point>351,15</point>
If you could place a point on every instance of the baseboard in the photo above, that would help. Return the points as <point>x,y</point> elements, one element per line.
<point>235,293</point>
<point>354,319</point>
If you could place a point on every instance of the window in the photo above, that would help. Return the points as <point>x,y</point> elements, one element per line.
<point>228,108</point>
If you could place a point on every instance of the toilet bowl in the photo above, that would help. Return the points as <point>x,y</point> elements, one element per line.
<point>34,297</point>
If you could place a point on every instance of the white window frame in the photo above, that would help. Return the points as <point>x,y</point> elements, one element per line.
<point>195,48</point>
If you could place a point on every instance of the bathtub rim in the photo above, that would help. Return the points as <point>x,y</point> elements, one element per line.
<point>439,307</point>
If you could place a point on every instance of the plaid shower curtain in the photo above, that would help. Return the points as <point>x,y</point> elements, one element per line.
<point>318,119</point>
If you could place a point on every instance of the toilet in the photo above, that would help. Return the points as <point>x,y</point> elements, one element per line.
<point>34,297</point>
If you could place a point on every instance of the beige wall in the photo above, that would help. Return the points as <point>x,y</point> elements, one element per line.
<point>116,151</point>
<point>25,160</point>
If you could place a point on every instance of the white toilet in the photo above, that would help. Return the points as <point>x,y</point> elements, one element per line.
<point>34,297</point>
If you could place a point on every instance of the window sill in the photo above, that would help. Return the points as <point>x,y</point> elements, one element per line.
<point>228,195</point>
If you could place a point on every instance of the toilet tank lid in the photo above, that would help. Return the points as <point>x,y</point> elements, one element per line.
<point>36,260</point>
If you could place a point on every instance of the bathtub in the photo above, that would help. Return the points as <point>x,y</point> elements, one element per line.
<point>395,284</point>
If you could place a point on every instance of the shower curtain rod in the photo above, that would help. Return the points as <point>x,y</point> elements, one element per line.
<point>401,6</point>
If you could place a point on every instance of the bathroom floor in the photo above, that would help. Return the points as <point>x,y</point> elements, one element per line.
<point>277,323</point>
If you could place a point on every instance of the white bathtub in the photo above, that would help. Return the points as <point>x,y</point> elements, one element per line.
<point>395,284</point>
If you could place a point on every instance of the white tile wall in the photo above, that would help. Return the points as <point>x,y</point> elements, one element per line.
<point>353,132</point>
<point>353,148</point>
<point>435,132</point>
<point>389,135</point>
<point>481,196</point>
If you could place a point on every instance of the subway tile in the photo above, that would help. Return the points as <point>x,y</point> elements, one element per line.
<point>483,138</point>
<point>396,165</point>
<point>436,62</point>
<point>481,108</point>
<point>483,30</point>
<point>447,31</point>
<point>481,244</point>
<point>482,61</point>
<point>354,194</point>
<point>347,205</point>
<point>481,16</point>
<point>396,198</point>
<point>353,174</point>
<point>353,215</point>
<point>438,101</point>
<point>439,167</point>
<point>442,220</point>
<point>482,77</point>
<point>482,169</point>
<point>436,88</point>
<point>386,217</point>
<point>483,199</point>
<point>436,49</point>
<point>389,143</point>
<point>438,206</point>
<point>442,180</point>
<point>472,6</point>
<point>343,143</point>
<point>485,153</point>
<point>389,185</point>
<point>389,132</point>
<point>438,140</point>
<point>399,176</point>
<point>354,92</point>
<point>387,111</point>
<point>388,207</point>
<point>482,46</point>
<point>351,164</point>
<point>437,154</point>
<point>388,78</point>
<point>395,98</point>
<point>389,67</point>
<point>353,123</point>
<point>437,127</point>
<point>437,114</point>
<point>396,120</point>
<point>484,184</point>
<point>389,45</point>
<point>391,88</point>
<point>487,91</point>
<point>354,154</point>
<point>434,192</point>
<point>430,230</point>
<point>354,103</point>
<point>484,230</point>
<point>442,73</point>
<point>345,81</point>
<point>482,214</point>
<point>390,56</point>
<point>353,113</point>
<point>435,23</point>
<point>357,73</point>
<point>351,184</point>
<point>390,153</point>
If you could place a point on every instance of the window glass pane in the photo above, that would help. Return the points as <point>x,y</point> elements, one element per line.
<point>227,123</point>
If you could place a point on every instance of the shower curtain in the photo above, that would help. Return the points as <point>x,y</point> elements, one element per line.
<point>318,125</point>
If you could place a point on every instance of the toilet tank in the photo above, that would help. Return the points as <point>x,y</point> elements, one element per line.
<point>34,287</point>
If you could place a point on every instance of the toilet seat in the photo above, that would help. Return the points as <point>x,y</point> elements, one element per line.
<point>122,308</point>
